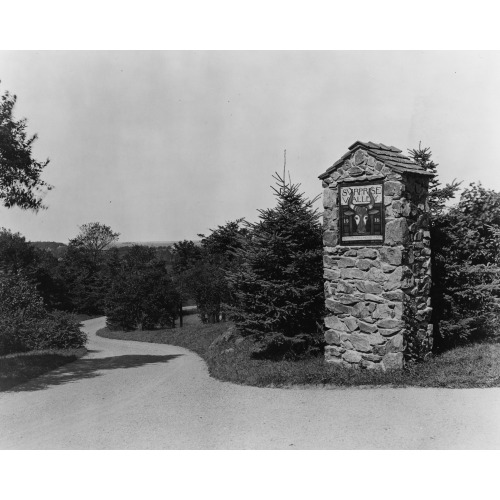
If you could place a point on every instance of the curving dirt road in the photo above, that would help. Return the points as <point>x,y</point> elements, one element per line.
<point>133,395</point>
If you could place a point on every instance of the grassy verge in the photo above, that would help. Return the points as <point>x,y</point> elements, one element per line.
<point>18,368</point>
<point>470,366</point>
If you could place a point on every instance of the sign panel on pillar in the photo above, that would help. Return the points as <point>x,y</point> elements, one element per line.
<point>361,213</point>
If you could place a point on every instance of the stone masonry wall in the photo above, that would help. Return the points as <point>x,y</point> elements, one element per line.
<point>377,297</point>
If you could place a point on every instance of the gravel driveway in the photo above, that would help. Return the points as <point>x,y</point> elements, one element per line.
<point>134,395</point>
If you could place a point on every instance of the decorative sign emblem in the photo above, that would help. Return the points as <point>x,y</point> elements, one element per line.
<point>361,214</point>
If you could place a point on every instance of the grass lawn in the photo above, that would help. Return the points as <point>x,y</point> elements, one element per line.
<point>470,366</point>
<point>18,368</point>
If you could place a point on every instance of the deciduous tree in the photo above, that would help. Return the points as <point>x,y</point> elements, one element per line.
<point>94,238</point>
<point>20,173</point>
<point>142,294</point>
<point>465,243</point>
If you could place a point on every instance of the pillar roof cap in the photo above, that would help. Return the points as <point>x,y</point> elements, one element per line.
<point>390,156</point>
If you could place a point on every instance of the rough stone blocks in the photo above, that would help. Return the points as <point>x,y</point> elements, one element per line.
<point>371,291</point>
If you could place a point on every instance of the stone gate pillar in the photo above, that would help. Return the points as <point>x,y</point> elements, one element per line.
<point>376,258</point>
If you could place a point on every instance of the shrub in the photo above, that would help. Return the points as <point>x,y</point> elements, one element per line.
<point>18,255</point>
<point>200,271</point>
<point>466,276</point>
<point>142,294</point>
<point>208,283</point>
<point>159,305</point>
<point>208,286</point>
<point>465,243</point>
<point>60,330</point>
<point>84,281</point>
<point>123,303</point>
<point>25,324</point>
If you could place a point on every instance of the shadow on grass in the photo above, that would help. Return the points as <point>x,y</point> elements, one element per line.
<point>89,368</point>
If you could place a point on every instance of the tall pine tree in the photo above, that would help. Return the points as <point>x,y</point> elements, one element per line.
<point>278,286</point>
<point>438,196</point>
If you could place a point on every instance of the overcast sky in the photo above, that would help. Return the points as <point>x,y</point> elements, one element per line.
<point>165,145</point>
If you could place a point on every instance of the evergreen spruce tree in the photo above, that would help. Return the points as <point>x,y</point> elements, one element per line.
<point>277,288</point>
<point>438,196</point>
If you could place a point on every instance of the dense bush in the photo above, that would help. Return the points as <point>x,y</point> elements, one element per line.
<point>466,276</point>
<point>84,281</point>
<point>142,293</point>
<point>26,325</point>
<point>201,271</point>
<point>277,286</point>
<point>208,287</point>
<point>18,255</point>
<point>220,245</point>
<point>207,280</point>
<point>60,330</point>
<point>465,241</point>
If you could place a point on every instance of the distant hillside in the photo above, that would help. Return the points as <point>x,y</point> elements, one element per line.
<point>47,245</point>
<point>150,243</point>
<point>162,248</point>
<point>57,247</point>
<point>54,247</point>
